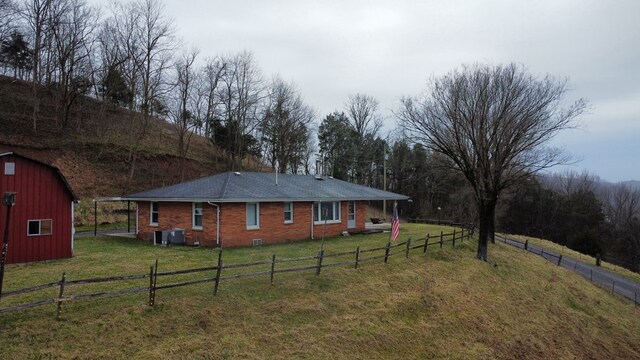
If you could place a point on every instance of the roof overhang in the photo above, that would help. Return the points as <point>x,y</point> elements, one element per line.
<point>252,200</point>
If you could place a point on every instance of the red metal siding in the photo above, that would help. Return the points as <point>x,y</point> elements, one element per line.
<point>41,195</point>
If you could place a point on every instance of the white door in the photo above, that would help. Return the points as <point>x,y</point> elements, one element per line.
<point>351,215</point>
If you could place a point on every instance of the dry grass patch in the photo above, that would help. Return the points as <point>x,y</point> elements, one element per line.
<point>441,305</point>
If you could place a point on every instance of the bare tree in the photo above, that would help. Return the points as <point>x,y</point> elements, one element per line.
<point>36,14</point>
<point>285,128</point>
<point>146,37</point>
<point>362,110</point>
<point>366,123</point>
<point>182,105</point>
<point>7,14</point>
<point>493,123</point>
<point>240,91</point>
<point>72,27</point>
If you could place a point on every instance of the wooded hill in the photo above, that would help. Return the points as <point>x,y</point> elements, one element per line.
<point>93,149</point>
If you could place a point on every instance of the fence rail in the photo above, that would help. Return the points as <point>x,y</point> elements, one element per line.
<point>621,287</point>
<point>352,258</point>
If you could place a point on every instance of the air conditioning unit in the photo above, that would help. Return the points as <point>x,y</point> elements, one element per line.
<point>166,237</point>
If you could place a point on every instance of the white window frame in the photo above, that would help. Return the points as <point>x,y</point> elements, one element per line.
<point>40,227</point>
<point>194,214</point>
<point>151,223</point>
<point>290,221</point>
<point>337,213</point>
<point>257,225</point>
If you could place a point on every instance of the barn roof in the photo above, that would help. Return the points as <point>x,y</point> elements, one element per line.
<point>262,187</point>
<point>64,180</point>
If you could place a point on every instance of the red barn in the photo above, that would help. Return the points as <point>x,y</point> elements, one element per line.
<point>41,225</point>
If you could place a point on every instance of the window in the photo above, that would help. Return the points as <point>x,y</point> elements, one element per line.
<point>9,168</point>
<point>197,216</point>
<point>154,214</point>
<point>253,216</point>
<point>329,211</point>
<point>288,213</point>
<point>38,227</point>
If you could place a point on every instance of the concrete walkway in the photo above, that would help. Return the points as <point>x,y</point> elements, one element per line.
<point>605,278</point>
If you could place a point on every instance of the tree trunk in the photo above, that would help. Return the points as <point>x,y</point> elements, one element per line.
<point>486,217</point>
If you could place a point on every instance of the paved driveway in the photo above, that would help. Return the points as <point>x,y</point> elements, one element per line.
<point>605,278</point>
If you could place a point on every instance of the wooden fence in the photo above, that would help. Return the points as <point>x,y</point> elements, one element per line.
<point>558,260</point>
<point>220,272</point>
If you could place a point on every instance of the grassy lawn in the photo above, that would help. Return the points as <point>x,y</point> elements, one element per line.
<point>565,251</point>
<point>444,304</point>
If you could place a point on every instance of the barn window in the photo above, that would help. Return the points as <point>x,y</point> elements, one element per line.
<point>154,214</point>
<point>38,227</point>
<point>9,168</point>
<point>197,216</point>
<point>253,216</point>
<point>288,213</point>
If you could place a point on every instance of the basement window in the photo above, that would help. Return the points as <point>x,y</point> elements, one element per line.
<point>39,227</point>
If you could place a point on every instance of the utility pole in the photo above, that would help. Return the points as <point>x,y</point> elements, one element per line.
<point>384,179</point>
<point>8,199</point>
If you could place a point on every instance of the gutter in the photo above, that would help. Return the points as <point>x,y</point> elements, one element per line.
<point>217,221</point>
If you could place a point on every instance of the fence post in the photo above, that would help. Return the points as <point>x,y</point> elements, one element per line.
<point>454,238</point>
<point>357,255</point>
<point>273,266</point>
<point>426,243</point>
<point>60,294</point>
<point>386,252</point>
<point>408,248</point>
<point>155,281</point>
<point>526,244</point>
<point>218,271</point>
<point>462,235</point>
<point>151,286</point>
<point>441,235</point>
<point>598,259</point>
<point>320,255</point>
<point>560,260</point>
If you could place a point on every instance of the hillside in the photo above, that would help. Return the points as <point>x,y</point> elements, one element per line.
<point>443,305</point>
<point>93,148</point>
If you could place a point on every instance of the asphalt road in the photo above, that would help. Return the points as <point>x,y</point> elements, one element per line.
<point>606,279</point>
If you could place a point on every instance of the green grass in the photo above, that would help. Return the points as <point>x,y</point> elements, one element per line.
<point>565,251</point>
<point>444,304</point>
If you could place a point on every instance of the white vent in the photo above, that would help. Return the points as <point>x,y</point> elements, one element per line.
<point>237,173</point>
<point>257,242</point>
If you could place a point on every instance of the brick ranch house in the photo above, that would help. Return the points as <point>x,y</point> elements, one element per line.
<point>243,209</point>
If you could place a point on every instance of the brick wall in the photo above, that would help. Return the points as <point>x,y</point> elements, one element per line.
<point>233,227</point>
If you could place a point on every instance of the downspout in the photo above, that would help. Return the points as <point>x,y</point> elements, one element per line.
<point>311,220</point>
<point>217,221</point>
<point>137,215</point>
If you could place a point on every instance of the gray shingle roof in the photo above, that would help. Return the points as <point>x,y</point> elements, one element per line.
<point>254,186</point>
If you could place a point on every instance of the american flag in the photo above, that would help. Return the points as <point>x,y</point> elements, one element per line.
<point>395,223</point>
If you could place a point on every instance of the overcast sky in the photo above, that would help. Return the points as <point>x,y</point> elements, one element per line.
<point>388,49</point>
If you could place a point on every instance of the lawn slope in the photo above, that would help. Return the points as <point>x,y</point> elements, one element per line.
<point>444,304</point>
